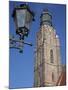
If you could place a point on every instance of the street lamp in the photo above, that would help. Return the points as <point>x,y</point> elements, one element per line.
<point>23,17</point>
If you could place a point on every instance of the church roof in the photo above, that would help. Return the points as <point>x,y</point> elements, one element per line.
<point>62,78</point>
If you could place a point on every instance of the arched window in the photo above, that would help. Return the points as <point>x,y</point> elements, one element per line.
<point>53,76</point>
<point>51,56</point>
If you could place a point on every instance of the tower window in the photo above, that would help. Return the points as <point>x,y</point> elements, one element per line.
<point>51,56</point>
<point>52,76</point>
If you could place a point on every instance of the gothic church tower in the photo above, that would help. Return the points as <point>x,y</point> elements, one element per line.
<point>47,66</point>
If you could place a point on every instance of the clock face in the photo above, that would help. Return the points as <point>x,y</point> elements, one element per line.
<point>21,17</point>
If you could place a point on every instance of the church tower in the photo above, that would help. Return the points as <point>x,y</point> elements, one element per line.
<point>47,66</point>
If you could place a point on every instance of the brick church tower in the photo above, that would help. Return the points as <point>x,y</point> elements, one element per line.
<point>47,68</point>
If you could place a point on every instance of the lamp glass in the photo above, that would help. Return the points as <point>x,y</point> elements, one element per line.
<point>21,15</point>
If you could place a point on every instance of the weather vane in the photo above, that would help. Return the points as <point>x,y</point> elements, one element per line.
<point>23,17</point>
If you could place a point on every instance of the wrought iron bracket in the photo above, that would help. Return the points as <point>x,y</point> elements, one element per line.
<point>18,44</point>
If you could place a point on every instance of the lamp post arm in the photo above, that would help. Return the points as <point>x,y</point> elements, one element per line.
<point>21,41</point>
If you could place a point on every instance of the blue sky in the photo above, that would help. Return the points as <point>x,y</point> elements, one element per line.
<point>21,65</point>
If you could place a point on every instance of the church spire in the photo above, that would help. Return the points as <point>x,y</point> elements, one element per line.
<point>46,18</point>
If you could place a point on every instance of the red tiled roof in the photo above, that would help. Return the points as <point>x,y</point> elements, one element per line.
<point>62,79</point>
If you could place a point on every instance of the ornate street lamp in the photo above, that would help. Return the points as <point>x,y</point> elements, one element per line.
<point>23,17</point>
